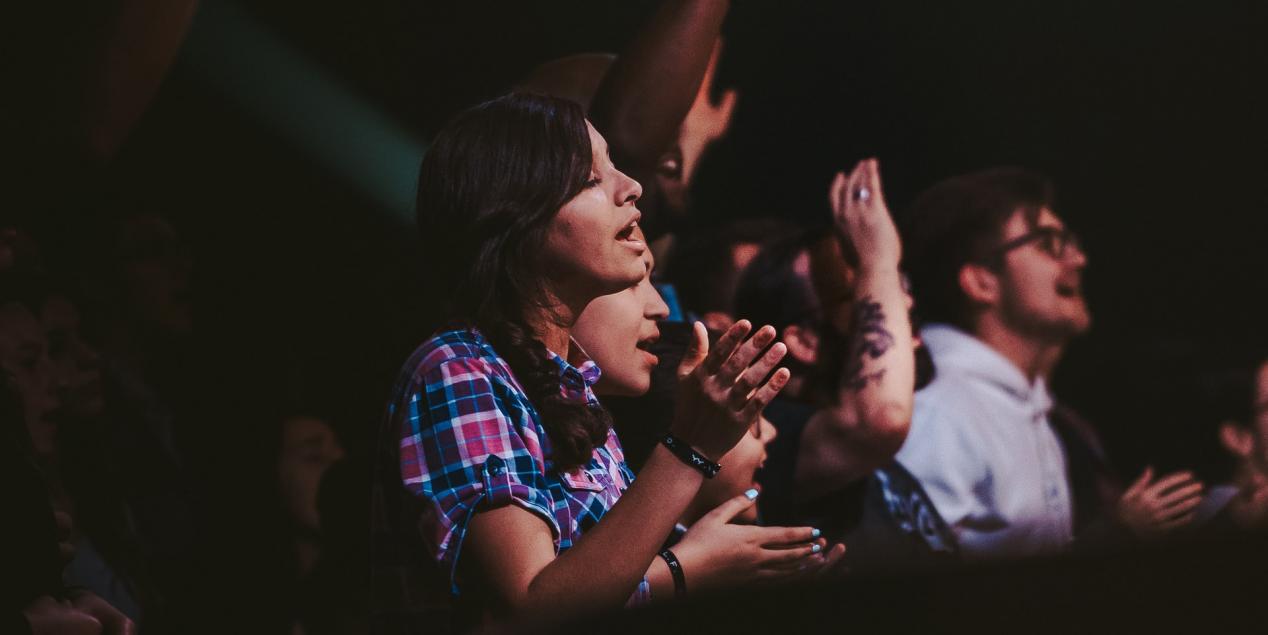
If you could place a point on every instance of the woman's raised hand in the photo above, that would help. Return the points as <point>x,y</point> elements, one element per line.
<point>715,553</point>
<point>722,391</point>
<point>861,216</point>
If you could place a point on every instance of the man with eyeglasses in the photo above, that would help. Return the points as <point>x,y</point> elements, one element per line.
<point>999,279</point>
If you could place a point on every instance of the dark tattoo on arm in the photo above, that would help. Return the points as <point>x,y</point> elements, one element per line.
<point>870,340</point>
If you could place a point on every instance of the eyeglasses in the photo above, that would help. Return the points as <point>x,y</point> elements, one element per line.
<point>1055,242</point>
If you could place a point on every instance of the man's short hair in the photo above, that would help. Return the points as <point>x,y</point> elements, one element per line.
<point>960,221</point>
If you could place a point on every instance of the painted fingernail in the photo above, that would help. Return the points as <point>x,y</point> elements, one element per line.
<point>815,533</point>
<point>816,548</point>
<point>751,494</point>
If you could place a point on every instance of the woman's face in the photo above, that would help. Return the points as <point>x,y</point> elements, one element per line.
<point>591,248</point>
<point>24,356</point>
<point>309,446</point>
<point>615,331</point>
<point>75,364</point>
<point>740,465</point>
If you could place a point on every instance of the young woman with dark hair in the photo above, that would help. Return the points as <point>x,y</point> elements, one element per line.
<point>502,448</point>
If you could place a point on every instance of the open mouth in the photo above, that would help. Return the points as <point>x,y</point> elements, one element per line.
<point>629,232</point>
<point>1068,290</point>
<point>645,345</point>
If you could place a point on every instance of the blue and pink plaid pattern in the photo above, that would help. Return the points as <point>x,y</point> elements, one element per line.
<point>471,440</point>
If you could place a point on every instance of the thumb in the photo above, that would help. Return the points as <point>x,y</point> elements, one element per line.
<point>727,511</point>
<point>725,109</point>
<point>696,350</point>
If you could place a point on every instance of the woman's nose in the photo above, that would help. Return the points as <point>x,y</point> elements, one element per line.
<point>630,190</point>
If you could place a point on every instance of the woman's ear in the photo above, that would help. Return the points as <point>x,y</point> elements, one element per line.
<point>1236,439</point>
<point>979,284</point>
<point>802,343</point>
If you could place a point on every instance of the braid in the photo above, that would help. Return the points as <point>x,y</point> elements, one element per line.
<point>575,429</point>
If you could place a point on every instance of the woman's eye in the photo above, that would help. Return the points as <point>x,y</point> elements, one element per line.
<point>594,181</point>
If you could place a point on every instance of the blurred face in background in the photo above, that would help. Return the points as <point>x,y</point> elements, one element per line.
<point>18,250</point>
<point>739,474</point>
<point>75,364</point>
<point>1041,287</point>
<point>154,268</point>
<point>704,124</point>
<point>1248,440</point>
<point>309,446</point>
<point>24,357</point>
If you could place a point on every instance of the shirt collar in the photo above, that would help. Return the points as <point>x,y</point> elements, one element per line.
<point>581,374</point>
<point>954,350</point>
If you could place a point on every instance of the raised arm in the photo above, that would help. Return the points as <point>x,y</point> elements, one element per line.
<point>871,416</point>
<point>650,88</point>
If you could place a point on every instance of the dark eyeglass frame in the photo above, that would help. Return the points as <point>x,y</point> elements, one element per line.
<point>1056,242</point>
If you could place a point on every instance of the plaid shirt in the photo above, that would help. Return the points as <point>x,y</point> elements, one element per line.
<point>470,440</point>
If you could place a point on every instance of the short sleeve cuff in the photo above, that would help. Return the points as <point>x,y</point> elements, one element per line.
<point>498,488</point>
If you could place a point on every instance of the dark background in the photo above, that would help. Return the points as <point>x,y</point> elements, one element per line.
<point>1148,116</point>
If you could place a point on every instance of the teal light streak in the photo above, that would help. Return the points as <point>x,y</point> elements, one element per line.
<point>276,85</point>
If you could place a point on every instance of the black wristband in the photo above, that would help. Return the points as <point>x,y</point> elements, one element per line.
<point>675,570</point>
<point>690,456</point>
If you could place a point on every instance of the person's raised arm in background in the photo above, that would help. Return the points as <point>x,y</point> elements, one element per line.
<point>872,412</point>
<point>651,86</point>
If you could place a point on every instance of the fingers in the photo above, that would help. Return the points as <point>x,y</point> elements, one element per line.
<point>1183,509</point>
<point>1140,483</point>
<point>1177,523</point>
<point>834,557</point>
<point>785,536</point>
<point>725,346</point>
<point>836,193</point>
<point>696,350</point>
<point>727,511</point>
<point>725,110</point>
<point>750,379</point>
<point>1180,495</point>
<point>1169,482</point>
<point>791,556</point>
<point>745,355</point>
<point>872,178</point>
<point>763,396</point>
<point>852,184</point>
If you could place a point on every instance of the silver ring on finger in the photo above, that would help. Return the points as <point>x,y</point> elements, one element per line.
<point>862,194</point>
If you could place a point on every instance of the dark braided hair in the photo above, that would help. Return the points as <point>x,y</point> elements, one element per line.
<point>492,181</point>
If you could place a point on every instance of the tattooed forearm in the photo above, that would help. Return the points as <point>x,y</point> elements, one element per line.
<point>870,340</point>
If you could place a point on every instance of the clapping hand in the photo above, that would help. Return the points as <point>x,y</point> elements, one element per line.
<point>1152,509</point>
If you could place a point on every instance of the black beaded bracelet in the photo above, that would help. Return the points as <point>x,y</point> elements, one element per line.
<point>675,570</point>
<point>690,456</point>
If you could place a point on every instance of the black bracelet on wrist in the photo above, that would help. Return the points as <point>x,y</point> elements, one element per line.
<point>675,570</point>
<point>690,456</point>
